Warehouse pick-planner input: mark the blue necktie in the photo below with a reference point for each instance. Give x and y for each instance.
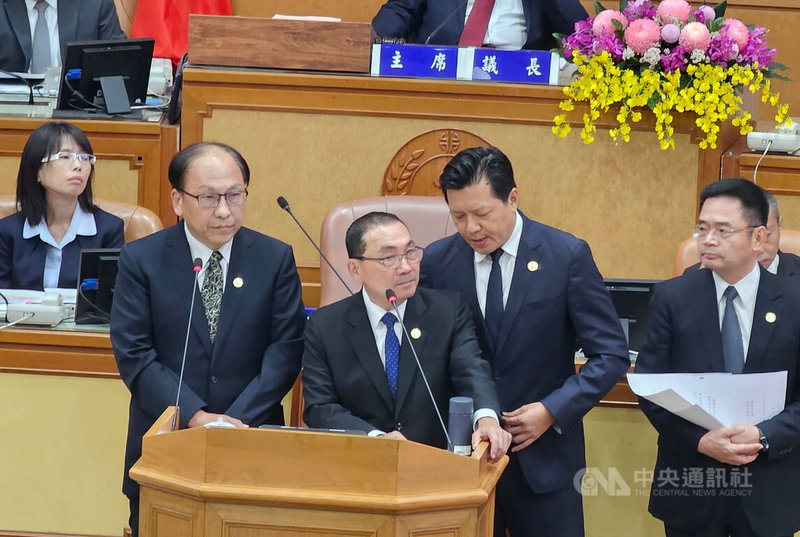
(40, 57)
(732, 349)
(494, 298)
(392, 352)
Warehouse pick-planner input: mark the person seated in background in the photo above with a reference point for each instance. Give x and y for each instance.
(358, 373)
(505, 24)
(40, 245)
(34, 33)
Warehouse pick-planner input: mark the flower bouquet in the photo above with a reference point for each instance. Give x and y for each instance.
(672, 59)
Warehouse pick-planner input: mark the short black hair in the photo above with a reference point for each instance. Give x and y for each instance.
(773, 204)
(181, 162)
(354, 238)
(43, 142)
(476, 164)
(755, 208)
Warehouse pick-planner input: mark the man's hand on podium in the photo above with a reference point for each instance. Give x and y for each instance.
(202, 417)
(499, 440)
(394, 434)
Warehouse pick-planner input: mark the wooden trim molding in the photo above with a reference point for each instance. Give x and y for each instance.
(9, 533)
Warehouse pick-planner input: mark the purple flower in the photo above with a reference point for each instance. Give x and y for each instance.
(722, 48)
(639, 9)
(756, 49)
(674, 60)
(704, 14)
(582, 39)
(610, 42)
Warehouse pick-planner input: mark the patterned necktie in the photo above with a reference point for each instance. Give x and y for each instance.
(40, 59)
(732, 349)
(392, 351)
(212, 293)
(494, 298)
(477, 23)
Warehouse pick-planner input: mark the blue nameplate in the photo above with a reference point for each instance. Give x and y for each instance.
(416, 61)
(526, 66)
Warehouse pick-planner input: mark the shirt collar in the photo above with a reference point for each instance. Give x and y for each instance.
(511, 247)
(30, 3)
(747, 287)
(376, 312)
(198, 249)
(773, 267)
(82, 223)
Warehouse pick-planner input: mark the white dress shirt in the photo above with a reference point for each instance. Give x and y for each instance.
(744, 304)
(483, 266)
(198, 249)
(773, 267)
(51, 16)
(82, 223)
(507, 28)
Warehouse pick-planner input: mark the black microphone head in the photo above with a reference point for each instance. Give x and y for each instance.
(282, 203)
(391, 296)
(197, 264)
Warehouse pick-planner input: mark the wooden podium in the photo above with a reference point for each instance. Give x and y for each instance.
(272, 482)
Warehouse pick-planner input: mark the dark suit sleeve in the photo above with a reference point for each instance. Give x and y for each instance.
(599, 333)
(113, 233)
(323, 407)
(153, 385)
(399, 18)
(281, 362)
(655, 358)
(561, 15)
(6, 254)
(108, 22)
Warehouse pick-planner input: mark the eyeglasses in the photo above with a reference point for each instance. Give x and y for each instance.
(209, 201)
(65, 156)
(412, 255)
(701, 231)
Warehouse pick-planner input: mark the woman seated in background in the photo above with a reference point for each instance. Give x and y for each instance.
(40, 245)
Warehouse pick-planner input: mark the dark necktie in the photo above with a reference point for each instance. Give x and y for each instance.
(494, 298)
(392, 352)
(40, 57)
(212, 293)
(477, 23)
(732, 349)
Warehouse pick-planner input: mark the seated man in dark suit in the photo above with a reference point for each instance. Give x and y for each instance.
(245, 340)
(735, 317)
(358, 373)
(508, 24)
(34, 34)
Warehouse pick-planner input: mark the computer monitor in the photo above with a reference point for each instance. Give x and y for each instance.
(97, 277)
(631, 299)
(105, 77)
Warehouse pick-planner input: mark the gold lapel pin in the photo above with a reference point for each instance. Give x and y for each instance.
(416, 333)
(770, 317)
(533, 266)
(238, 282)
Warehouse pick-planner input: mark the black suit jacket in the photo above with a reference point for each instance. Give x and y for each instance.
(256, 355)
(22, 260)
(684, 337)
(557, 303)
(415, 20)
(78, 20)
(788, 265)
(344, 381)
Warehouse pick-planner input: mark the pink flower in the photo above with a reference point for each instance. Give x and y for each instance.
(670, 33)
(642, 34)
(680, 9)
(707, 12)
(738, 32)
(602, 22)
(695, 36)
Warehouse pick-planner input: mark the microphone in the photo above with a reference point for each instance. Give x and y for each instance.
(450, 16)
(27, 83)
(459, 425)
(283, 204)
(196, 266)
(392, 298)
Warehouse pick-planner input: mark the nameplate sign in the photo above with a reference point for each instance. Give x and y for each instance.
(525, 66)
(415, 61)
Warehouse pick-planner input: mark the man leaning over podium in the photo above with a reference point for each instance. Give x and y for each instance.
(358, 368)
(244, 346)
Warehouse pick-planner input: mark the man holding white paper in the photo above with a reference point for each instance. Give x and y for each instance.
(736, 317)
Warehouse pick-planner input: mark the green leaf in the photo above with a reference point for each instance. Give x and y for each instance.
(598, 7)
(719, 9)
(716, 25)
(623, 4)
(617, 25)
(654, 99)
(776, 65)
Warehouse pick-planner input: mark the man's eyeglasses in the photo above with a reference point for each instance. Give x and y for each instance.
(209, 201)
(701, 231)
(65, 156)
(412, 255)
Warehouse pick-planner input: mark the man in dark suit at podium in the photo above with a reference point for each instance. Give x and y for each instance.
(34, 34)
(536, 297)
(245, 340)
(359, 370)
(508, 24)
(733, 317)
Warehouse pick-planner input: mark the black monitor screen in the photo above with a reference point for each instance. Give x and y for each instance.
(105, 75)
(97, 276)
(632, 301)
